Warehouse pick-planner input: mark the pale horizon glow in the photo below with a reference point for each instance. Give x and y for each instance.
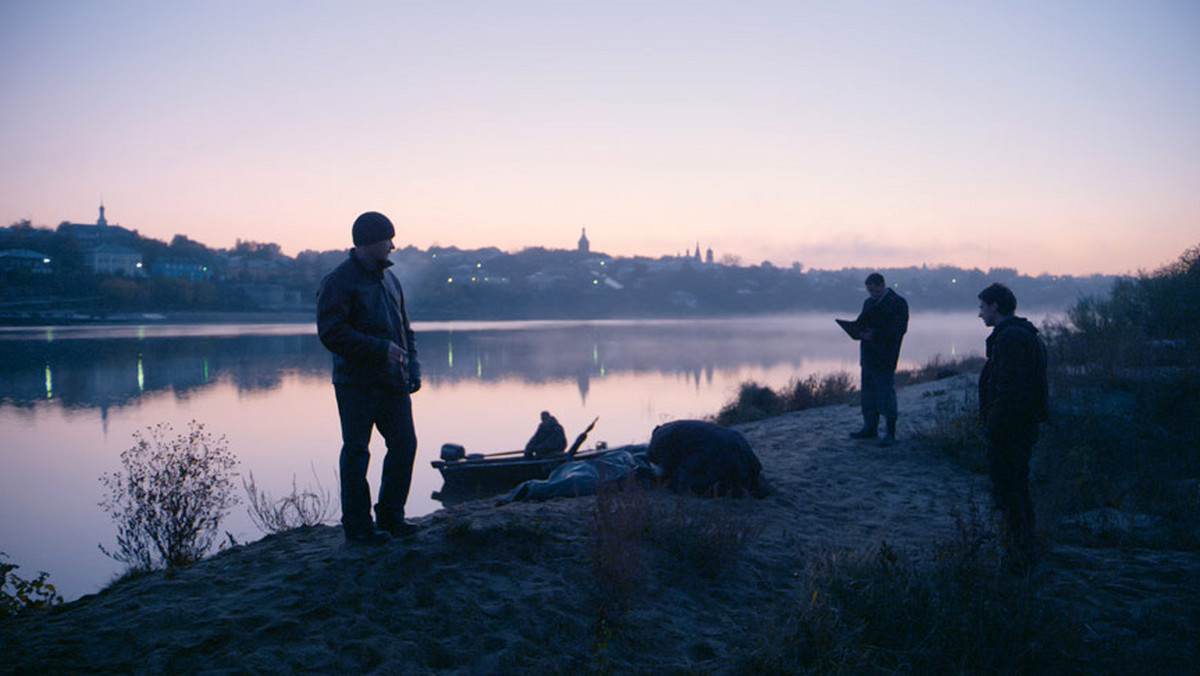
(1048, 137)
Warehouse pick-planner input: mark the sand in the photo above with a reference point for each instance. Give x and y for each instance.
(521, 588)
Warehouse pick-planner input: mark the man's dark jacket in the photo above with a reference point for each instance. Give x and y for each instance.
(549, 439)
(359, 312)
(1013, 392)
(887, 319)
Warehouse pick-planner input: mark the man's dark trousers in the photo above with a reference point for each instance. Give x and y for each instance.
(389, 409)
(1009, 451)
(878, 396)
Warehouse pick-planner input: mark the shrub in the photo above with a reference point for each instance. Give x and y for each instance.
(1145, 322)
(756, 402)
(950, 610)
(816, 391)
(18, 595)
(309, 507)
(169, 497)
(753, 402)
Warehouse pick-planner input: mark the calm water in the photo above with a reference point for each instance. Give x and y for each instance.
(70, 399)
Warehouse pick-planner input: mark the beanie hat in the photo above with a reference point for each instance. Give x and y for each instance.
(372, 227)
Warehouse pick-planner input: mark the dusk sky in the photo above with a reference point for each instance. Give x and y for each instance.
(1049, 136)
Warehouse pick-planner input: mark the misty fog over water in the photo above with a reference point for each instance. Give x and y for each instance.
(71, 397)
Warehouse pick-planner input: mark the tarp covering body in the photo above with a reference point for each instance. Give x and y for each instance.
(586, 477)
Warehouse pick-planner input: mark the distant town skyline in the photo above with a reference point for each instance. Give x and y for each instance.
(1046, 137)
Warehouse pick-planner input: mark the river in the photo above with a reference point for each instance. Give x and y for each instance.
(72, 397)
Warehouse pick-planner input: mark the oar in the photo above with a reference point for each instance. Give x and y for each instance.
(579, 439)
(498, 455)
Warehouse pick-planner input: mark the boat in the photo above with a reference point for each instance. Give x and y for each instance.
(466, 476)
(478, 475)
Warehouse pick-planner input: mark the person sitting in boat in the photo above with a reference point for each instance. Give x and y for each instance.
(549, 439)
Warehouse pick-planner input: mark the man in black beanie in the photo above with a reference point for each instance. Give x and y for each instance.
(362, 320)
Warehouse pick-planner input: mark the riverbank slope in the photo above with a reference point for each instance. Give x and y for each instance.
(637, 582)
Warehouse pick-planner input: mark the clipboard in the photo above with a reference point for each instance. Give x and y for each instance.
(851, 328)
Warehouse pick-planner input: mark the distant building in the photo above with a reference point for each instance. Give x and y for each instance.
(104, 249)
(184, 269)
(94, 234)
(24, 259)
(249, 269)
(584, 245)
(112, 259)
(708, 257)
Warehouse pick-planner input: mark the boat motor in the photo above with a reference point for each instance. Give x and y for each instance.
(453, 452)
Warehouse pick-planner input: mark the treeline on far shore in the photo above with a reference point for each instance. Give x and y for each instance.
(452, 283)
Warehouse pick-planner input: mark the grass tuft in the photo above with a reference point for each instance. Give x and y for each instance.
(637, 539)
(947, 610)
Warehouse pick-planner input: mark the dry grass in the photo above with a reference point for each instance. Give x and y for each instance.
(639, 536)
(950, 610)
(310, 507)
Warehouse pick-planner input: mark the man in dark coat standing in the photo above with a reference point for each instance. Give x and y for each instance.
(1013, 399)
(362, 320)
(882, 323)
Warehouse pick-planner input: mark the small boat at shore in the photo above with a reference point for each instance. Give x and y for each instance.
(466, 476)
(478, 475)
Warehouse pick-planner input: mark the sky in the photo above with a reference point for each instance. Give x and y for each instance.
(1049, 136)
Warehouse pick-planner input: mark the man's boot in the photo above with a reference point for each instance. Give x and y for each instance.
(889, 438)
(868, 431)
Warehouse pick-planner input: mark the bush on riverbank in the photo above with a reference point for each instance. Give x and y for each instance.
(757, 402)
(169, 496)
(18, 595)
(880, 611)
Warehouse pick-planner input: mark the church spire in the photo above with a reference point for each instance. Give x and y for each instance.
(101, 222)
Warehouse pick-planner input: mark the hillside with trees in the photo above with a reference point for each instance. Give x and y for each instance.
(48, 274)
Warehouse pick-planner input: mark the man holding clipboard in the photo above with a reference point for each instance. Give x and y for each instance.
(879, 328)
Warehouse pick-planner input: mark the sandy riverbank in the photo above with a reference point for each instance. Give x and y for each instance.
(515, 589)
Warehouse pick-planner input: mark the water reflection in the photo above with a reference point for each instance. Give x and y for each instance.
(105, 372)
(90, 368)
(71, 398)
